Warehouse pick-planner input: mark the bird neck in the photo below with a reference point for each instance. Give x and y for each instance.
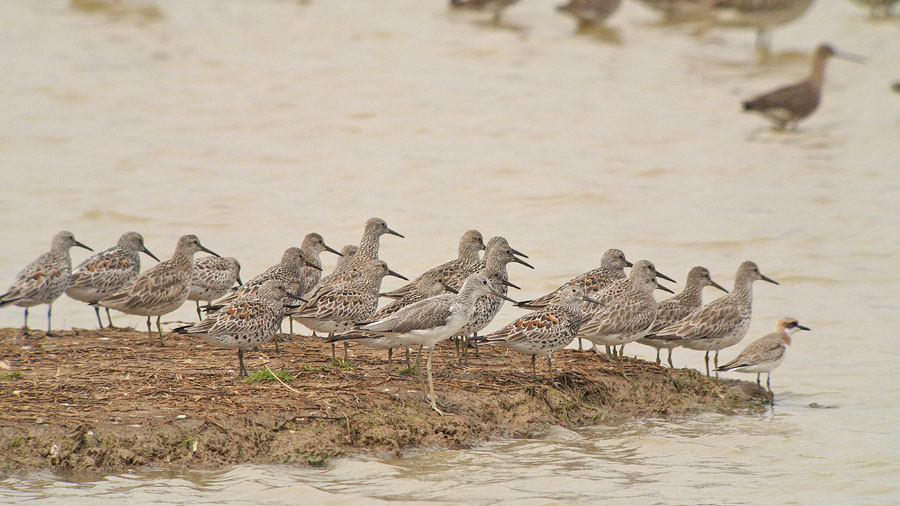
(468, 253)
(692, 295)
(368, 247)
(817, 75)
(743, 289)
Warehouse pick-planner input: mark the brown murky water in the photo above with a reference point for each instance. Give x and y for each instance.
(252, 123)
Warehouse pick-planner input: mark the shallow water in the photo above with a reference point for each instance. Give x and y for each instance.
(253, 123)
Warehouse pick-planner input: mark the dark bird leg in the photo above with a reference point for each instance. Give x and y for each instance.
(671, 366)
(768, 386)
(25, 328)
(408, 364)
(608, 353)
(757, 380)
(99, 321)
(580, 347)
(716, 363)
(291, 326)
(658, 361)
(149, 331)
(243, 371)
(199, 314)
(390, 356)
(706, 359)
(109, 319)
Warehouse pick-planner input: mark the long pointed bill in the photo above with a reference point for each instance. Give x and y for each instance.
(660, 287)
(713, 283)
(211, 252)
(314, 266)
(504, 297)
(389, 231)
(518, 253)
(520, 261)
(450, 288)
(296, 297)
(151, 255)
(80, 245)
(401, 276)
(332, 250)
(628, 264)
(667, 278)
(507, 283)
(592, 301)
(238, 279)
(770, 280)
(801, 327)
(850, 57)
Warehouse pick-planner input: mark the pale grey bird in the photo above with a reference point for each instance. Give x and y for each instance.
(425, 286)
(766, 353)
(45, 279)
(432, 320)
(160, 289)
(106, 272)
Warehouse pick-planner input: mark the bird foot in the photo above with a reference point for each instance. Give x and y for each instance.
(436, 410)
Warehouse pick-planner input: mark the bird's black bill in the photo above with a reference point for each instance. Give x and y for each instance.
(592, 301)
(770, 280)
(80, 245)
(332, 250)
(389, 231)
(504, 297)
(314, 266)
(628, 264)
(519, 254)
(239, 282)
(713, 283)
(520, 261)
(855, 58)
(450, 288)
(801, 327)
(211, 252)
(667, 278)
(296, 297)
(659, 286)
(396, 275)
(151, 255)
(507, 283)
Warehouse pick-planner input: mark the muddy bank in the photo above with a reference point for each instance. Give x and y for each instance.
(105, 401)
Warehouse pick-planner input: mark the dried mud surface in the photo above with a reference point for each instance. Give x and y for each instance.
(105, 401)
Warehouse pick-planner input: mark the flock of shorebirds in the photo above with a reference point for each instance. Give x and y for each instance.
(784, 106)
(455, 300)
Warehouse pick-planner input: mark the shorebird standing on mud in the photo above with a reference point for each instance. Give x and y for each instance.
(766, 353)
(45, 279)
(104, 273)
(160, 289)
